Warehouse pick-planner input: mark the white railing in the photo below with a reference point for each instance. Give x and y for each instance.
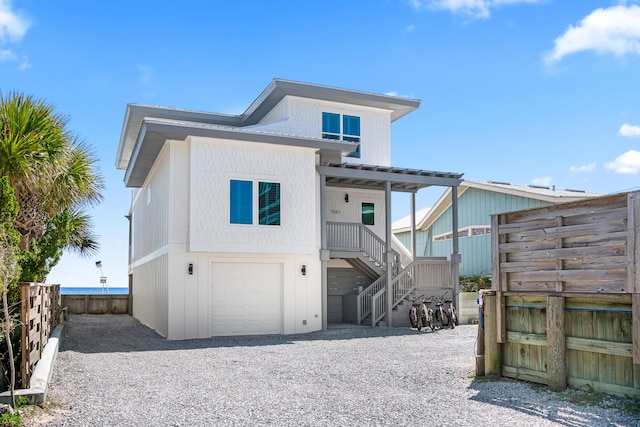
(423, 274)
(355, 237)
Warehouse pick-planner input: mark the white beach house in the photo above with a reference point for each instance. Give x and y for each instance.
(274, 221)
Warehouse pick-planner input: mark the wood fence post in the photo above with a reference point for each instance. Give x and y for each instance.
(24, 345)
(556, 344)
(492, 356)
(480, 372)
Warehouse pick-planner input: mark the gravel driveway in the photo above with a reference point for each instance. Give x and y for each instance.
(113, 371)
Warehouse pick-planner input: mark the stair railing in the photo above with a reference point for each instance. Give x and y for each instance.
(432, 273)
(355, 237)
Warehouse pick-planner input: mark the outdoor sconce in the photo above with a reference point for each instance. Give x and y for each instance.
(303, 270)
(190, 268)
(346, 198)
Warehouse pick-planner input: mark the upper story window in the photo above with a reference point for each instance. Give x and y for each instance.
(349, 131)
(242, 199)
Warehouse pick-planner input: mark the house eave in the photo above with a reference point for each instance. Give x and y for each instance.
(154, 132)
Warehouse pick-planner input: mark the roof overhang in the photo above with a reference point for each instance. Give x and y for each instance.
(278, 89)
(376, 177)
(154, 132)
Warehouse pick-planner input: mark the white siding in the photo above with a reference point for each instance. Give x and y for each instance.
(303, 117)
(340, 211)
(215, 162)
(150, 259)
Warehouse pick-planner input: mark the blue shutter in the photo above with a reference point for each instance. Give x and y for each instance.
(241, 203)
(351, 128)
(351, 125)
(331, 125)
(269, 203)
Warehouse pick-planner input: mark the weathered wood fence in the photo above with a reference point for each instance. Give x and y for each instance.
(96, 304)
(40, 314)
(565, 304)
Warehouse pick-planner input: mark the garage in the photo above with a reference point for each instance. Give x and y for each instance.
(246, 298)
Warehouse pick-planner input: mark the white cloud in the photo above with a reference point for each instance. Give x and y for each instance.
(7, 55)
(12, 26)
(583, 168)
(628, 130)
(544, 181)
(614, 30)
(628, 162)
(410, 28)
(480, 9)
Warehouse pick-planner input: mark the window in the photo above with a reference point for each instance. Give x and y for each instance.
(350, 129)
(269, 203)
(242, 201)
(330, 126)
(368, 214)
(469, 231)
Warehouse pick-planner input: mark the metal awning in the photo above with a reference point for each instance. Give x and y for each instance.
(375, 177)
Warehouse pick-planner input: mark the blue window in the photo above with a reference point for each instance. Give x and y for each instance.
(330, 126)
(241, 203)
(269, 203)
(350, 129)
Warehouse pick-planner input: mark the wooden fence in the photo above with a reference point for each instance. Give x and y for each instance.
(40, 314)
(96, 304)
(565, 304)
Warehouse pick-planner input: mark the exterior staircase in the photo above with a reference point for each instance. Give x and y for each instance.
(365, 252)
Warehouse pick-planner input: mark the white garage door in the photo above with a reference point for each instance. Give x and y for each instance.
(246, 298)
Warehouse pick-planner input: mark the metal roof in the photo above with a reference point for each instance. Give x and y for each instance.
(375, 177)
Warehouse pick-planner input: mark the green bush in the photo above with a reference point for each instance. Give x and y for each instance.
(475, 283)
(10, 420)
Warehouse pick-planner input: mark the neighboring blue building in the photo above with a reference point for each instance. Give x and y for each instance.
(477, 201)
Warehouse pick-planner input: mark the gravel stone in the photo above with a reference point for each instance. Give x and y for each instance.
(113, 371)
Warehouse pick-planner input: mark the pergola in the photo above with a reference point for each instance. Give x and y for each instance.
(387, 179)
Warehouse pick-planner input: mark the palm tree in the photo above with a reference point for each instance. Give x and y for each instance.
(49, 167)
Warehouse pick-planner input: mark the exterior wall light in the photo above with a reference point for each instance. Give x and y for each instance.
(346, 198)
(190, 269)
(303, 270)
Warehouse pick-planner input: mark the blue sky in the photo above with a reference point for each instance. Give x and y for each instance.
(529, 92)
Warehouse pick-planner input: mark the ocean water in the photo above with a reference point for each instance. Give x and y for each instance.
(93, 290)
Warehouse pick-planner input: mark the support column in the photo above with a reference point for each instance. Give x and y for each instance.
(413, 226)
(324, 253)
(389, 256)
(455, 255)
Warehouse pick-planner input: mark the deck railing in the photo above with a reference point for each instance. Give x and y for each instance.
(355, 237)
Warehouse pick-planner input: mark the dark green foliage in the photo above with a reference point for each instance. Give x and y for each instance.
(475, 283)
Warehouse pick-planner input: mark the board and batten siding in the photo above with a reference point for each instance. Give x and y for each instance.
(150, 258)
(475, 207)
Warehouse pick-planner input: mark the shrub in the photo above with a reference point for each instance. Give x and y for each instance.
(475, 283)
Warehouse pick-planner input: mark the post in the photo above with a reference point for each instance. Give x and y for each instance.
(324, 253)
(480, 347)
(413, 226)
(492, 356)
(556, 344)
(389, 253)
